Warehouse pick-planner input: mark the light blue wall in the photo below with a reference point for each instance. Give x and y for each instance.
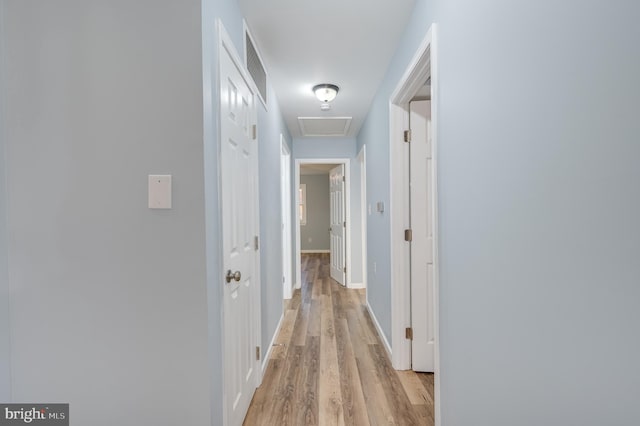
(108, 297)
(318, 217)
(270, 126)
(324, 148)
(538, 204)
(5, 338)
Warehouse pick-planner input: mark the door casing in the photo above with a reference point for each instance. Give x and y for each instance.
(421, 213)
(361, 158)
(423, 65)
(347, 174)
(225, 44)
(285, 183)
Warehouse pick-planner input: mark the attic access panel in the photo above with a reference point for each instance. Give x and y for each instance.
(324, 126)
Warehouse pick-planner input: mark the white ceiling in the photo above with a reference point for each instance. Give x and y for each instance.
(343, 42)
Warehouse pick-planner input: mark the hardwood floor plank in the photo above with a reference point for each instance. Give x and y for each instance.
(428, 382)
(262, 398)
(313, 329)
(378, 409)
(358, 341)
(282, 411)
(339, 311)
(324, 270)
(326, 286)
(299, 335)
(353, 403)
(284, 336)
(414, 388)
(296, 299)
(368, 331)
(400, 405)
(330, 395)
(425, 415)
(307, 384)
(317, 289)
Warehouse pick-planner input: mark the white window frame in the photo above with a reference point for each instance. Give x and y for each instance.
(302, 197)
(247, 34)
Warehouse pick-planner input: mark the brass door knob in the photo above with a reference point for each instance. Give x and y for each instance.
(233, 276)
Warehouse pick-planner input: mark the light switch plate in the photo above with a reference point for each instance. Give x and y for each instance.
(159, 191)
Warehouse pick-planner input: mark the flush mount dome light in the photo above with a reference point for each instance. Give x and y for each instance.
(326, 92)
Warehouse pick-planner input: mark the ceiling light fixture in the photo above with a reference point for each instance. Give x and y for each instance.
(326, 92)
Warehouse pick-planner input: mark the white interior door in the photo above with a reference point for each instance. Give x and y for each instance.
(240, 227)
(285, 181)
(422, 214)
(338, 224)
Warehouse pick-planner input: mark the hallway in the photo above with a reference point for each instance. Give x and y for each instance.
(329, 366)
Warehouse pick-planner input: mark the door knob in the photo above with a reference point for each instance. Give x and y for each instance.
(233, 276)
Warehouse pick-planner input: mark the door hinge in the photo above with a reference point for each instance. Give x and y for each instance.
(408, 333)
(408, 235)
(344, 224)
(257, 353)
(407, 135)
(255, 131)
(256, 242)
(344, 179)
(344, 269)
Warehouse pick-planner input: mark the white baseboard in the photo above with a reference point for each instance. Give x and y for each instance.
(357, 285)
(267, 354)
(379, 329)
(314, 251)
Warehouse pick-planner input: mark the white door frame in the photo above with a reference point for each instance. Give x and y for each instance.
(347, 174)
(423, 65)
(362, 160)
(285, 184)
(225, 43)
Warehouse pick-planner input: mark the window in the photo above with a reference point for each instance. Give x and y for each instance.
(302, 203)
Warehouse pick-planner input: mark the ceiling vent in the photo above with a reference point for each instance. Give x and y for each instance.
(324, 126)
(255, 66)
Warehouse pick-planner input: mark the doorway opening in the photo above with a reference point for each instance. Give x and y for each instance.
(323, 219)
(414, 259)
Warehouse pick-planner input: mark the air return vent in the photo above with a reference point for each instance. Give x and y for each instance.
(255, 66)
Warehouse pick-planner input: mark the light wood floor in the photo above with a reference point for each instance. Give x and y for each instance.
(329, 367)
